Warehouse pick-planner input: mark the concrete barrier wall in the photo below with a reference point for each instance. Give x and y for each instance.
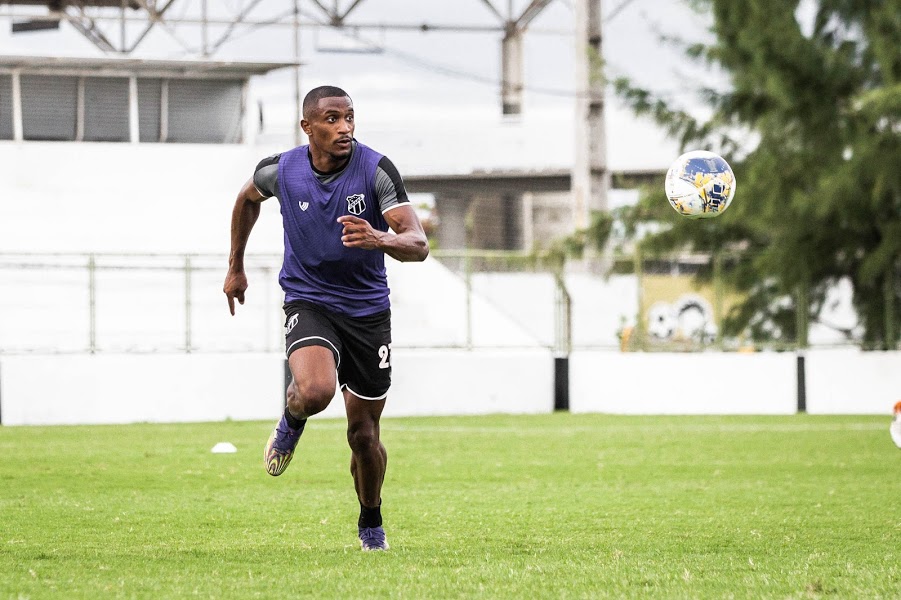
(697, 383)
(852, 382)
(127, 388)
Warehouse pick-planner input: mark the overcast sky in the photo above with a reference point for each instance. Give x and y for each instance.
(431, 100)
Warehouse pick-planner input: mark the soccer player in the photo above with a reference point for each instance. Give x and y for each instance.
(338, 200)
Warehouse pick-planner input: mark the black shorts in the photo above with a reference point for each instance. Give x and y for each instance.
(361, 345)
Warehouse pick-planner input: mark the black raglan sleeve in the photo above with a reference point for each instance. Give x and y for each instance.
(265, 177)
(389, 186)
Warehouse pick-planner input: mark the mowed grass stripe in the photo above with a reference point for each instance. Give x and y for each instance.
(545, 506)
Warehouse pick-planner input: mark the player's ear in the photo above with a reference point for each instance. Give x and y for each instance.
(305, 125)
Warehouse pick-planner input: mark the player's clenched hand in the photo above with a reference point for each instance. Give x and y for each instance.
(235, 286)
(358, 233)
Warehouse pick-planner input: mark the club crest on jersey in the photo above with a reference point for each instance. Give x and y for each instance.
(304, 205)
(356, 204)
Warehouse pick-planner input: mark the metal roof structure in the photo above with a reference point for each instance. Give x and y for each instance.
(98, 19)
(114, 65)
(60, 3)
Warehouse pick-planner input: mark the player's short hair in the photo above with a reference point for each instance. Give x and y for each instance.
(311, 100)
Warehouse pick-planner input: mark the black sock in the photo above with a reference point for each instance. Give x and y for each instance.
(370, 517)
(294, 422)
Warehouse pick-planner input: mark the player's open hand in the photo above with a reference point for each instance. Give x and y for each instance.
(234, 288)
(358, 233)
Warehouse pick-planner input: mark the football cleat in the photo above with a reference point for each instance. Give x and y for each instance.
(373, 538)
(280, 447)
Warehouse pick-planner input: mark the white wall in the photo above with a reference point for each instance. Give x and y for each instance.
(852, 382)
(458, 382)
(690, 383)
(600, 306)
(124, 388)
(429, 309)
(128, 388)
(107, 197)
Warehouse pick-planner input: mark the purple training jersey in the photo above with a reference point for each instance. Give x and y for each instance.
(317, 267)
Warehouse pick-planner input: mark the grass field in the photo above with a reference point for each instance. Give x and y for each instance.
(553, 506)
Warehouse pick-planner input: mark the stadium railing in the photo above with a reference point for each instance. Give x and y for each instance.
(133, 303)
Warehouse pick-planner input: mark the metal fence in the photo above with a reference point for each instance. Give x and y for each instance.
(142, 303)
(89, 303)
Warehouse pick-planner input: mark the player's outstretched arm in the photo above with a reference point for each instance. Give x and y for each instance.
(244, 216)
(409, 245)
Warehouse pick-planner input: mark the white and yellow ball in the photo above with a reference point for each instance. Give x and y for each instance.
(700, 184)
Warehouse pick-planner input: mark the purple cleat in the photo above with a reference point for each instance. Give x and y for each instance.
(280, 447)
(373, 538)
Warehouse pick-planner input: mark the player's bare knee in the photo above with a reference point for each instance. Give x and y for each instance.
(362, 438)
(313, 396)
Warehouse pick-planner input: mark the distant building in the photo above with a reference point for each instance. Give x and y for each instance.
(125, 99)
(507, 210)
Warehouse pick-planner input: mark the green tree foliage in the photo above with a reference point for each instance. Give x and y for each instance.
(818, 161)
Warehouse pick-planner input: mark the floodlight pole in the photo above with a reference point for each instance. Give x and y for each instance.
(298, 112)
(512, 52)
(511, 69)
(204, 38)
(590, 177)
(122, 28)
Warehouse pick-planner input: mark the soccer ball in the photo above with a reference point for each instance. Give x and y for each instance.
(700, 184)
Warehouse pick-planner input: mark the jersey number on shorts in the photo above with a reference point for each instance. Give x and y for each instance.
(385, 355)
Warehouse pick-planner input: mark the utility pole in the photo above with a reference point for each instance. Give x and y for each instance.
(511, 69)
(590, 177)
(514, 27)
(298, 109)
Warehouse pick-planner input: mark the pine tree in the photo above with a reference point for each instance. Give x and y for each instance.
(818, 166)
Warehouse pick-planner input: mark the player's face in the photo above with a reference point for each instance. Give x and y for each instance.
(331, 126)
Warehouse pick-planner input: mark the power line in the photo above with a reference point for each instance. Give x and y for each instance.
(449, 71)
(441, 69)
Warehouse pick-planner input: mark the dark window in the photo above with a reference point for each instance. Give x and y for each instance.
(106, 109)
(206, 111)
(149, 91)
(169, 110)
(6, 107)
(49, 106)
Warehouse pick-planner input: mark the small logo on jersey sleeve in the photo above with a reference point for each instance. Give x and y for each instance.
(303, 205)
(356, 204)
